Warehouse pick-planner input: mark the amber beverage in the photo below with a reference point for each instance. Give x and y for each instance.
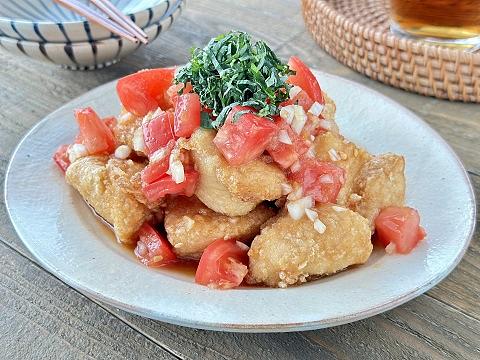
(447, 19)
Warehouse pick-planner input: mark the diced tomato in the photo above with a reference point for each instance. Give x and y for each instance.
(302, 99)
(173, 91)
(94, 133)
(286, 154)
(110, 121)
(400, 226)
(166, 186)
(61, 157)
(223, 264)
(155, 170)
(305, 79)
(320, 179)
(145, 90)
(187, 115)
(158, 131)
(244, 139)
(152, 248)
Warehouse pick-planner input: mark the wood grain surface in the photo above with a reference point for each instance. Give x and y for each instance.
(43, 318)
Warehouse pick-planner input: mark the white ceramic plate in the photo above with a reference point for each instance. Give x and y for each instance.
(61, 232)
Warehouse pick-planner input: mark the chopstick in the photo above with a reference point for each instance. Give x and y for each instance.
(120, 18)
(81, 9)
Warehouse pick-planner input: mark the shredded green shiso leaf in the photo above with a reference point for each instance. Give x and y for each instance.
(233, 70)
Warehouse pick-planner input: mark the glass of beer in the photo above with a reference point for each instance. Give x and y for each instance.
(448, 22)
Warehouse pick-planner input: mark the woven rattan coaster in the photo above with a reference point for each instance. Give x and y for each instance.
(356, 32)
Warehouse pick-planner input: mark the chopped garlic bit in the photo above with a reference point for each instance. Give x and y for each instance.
(333, 155)
(76, 151)
(312, 138)
(316, 109)
(326, 179)
(299, 119)
(138, 140)
(284, 138)
(390, 248)
(311, 214)
(175, 168)
(319, 226)
(294, 91)
(158, 155)
(311, 152)
(287, 113)
(295, 166)
(338, 208)
(296, 208)
(286, 188)
(123, 152)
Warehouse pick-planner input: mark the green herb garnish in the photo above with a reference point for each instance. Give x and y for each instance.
(232, 70)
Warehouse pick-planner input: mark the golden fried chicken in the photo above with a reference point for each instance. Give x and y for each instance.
(291, 251)
(191, 226)
(125, 127)
(231, 190)
(329, 110)
(96, 179)
(380, 183)
(343, 153)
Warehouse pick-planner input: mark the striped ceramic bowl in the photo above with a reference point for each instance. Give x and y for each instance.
(88, 55)
(46, 21)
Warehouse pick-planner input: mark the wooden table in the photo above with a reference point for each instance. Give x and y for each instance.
(43, 318)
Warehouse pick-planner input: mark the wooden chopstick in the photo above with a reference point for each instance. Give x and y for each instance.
(81, 9)
(121, 19)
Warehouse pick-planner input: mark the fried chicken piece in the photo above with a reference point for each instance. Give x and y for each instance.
(231, 190)
(330, 146)
(125, 127)
(95, 180)
(291, 251)
(329, 108)
(191, 226)
(380, 183)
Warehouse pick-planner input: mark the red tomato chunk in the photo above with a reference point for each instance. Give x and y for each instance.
(319, 179)
(61, 158)
(286, 154)
(245, 138)
(167, 186)
(145, 90)
(400, 226)
(156, 169)
(158, 131)
(187, 115)
(94, 133)
(152, 248)
(223, 264)
(305, 79)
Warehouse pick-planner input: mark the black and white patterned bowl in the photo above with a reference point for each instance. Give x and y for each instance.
(46, 21)
(88, 55)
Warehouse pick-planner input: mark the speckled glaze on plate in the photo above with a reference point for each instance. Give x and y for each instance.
(65, 237)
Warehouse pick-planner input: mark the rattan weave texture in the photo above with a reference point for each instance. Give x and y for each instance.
(356, 32)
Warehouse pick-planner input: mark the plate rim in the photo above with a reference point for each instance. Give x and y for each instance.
(272, 327)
